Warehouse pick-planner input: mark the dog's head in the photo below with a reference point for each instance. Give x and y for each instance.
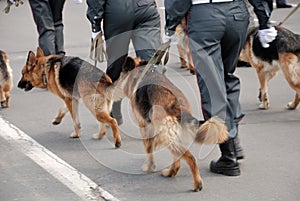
(32, 71)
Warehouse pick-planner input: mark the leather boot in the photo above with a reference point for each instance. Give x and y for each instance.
(227, 164)
(238, 149)
(116, 112)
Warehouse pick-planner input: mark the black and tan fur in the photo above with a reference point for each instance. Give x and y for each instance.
(283, 53)
(72, 78)
(165, 119)
(6, 80)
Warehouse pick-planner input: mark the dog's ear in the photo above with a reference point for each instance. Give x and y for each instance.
(30, 60)
(142, 63)
(39, 52)
(129, 64)
(53, 60)
(139, 62)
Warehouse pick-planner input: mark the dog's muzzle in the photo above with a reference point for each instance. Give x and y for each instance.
(26, 85)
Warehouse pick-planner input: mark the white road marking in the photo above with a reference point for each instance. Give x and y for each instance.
(81, 185)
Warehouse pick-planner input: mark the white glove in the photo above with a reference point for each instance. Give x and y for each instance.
(77, 1)
(94, 34)
(16, 2)
(166, 38)
(266, 36)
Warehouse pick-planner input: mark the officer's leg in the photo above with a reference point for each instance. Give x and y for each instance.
(146, 34)
(232, 43)
(207, 57)
(43, 19)
(57, 9)
(117, 51)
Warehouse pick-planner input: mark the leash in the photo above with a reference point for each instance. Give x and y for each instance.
(289, 15)
(155, 59)
(97, 50)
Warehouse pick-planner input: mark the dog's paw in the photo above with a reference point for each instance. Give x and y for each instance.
(168, 172)
(198, 186)
(118, 144)
(98, 136)
(56, 121)
(146, 167)
(264, 106)
(291, 106)
(74, 135)
(4, 104)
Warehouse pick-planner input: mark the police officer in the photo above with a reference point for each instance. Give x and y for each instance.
(137, 21)
(47, 15)
(217, 32)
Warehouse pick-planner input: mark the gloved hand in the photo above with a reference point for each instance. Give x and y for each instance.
(10, 3)
(77, 1)
(168, 37)
(97, 51)
(266, 36)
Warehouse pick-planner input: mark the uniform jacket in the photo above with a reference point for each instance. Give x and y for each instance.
(177, 9)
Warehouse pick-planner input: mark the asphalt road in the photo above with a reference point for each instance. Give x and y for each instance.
(270, 138)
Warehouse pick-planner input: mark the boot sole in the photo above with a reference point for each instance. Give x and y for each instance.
(235, 171)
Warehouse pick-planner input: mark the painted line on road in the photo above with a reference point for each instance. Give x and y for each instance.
(80, 184)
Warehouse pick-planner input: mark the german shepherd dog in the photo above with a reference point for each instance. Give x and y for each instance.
(72, 78)
(6, 83)
(165, 119)
(283, 53)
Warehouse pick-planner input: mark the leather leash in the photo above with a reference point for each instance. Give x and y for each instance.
(289, 15)
(155, 59)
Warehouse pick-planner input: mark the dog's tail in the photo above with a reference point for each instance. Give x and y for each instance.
(212, 131)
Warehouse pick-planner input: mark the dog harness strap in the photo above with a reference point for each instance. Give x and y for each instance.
(155, 59)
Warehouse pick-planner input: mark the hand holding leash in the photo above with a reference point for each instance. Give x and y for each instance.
(97, 51)
(266, 36)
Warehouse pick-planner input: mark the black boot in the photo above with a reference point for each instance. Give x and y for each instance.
(116, 112)
(227, 163)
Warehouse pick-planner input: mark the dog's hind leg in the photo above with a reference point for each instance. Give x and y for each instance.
(191, 63)
(178, 153)
(293, 105)
(63, 110)
(173, 169)
(2, 98)
(72, 105)
(7, 97)
(264, 78)
(149, 164)
(105, 118)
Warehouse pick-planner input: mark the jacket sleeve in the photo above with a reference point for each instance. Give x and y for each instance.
(175, 10)
(263, 10)
(94, 13)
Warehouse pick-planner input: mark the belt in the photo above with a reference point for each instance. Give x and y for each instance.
(209, 1)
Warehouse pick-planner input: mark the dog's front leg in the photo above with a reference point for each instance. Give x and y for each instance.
(72, 105)
(63, 110)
